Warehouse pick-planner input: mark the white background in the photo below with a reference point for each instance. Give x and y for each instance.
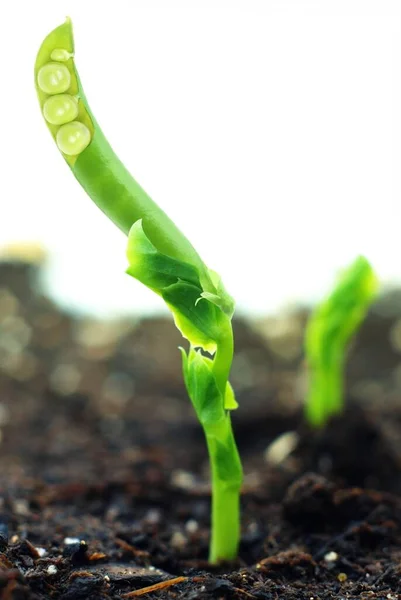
(268, 130)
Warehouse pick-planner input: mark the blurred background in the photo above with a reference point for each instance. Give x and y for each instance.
(268, 130)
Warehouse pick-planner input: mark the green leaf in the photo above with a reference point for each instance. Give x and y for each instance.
(199, 322)
(195, 365)
(178, 284)
(202, 388)
(338, 317)
(221, 298)
(153, 269)
(230, 402)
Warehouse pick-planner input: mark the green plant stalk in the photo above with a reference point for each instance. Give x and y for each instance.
(226, 485)
(162, 258)
(225, 463)
(335, 382)
(325, 395)
(223, 357)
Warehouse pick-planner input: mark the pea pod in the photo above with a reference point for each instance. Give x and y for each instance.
(92, 159)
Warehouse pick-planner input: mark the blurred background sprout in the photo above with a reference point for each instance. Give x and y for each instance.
(328, 334)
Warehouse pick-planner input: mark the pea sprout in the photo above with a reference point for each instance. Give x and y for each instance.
(328, 333)
(160, 257)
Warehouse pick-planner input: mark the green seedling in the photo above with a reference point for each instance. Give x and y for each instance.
(162, 258)
(328, 333)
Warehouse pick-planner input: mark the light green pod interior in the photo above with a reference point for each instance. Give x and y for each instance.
(59, 94)
(100, 171)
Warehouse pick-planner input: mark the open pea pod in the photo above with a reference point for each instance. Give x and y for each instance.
(92, 159)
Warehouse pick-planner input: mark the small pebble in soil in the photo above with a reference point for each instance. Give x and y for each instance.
(182, 479)
(76, 552)
(21, 507)
(51, 570)
(41, 551)
(153, 516)
(71, 540)
(178, 540)
(280, 448)
(191, 526)
(331, 557)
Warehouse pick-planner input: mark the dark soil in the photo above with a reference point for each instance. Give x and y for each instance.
(104, 476)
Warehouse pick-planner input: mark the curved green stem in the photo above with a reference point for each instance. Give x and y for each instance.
(225, 464)
(325, 397)
(226, 471)
(325, 394)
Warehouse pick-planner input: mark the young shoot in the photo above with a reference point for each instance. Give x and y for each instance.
(162, 258)
(328, 333)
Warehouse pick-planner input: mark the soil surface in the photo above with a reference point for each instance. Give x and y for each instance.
(104, 487)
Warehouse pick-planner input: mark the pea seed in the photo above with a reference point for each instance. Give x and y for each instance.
(60, 55)
(60, 109)
(73, 138)
(54, 78)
